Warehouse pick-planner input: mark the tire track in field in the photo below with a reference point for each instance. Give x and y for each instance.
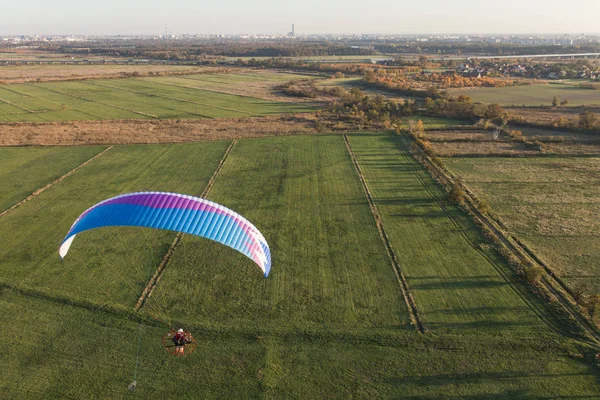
(98, 102)
(499, 270)
(404, 288)
(550, 284)
(54, 182)
(154, 280)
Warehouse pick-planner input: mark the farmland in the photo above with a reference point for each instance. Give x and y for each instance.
(550, 203)
(330, 321)
(532, 95)
(305, 195)
(147, 98)
(50, 215)
(24, 170)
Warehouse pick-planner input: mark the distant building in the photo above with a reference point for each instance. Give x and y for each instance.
(292, 33)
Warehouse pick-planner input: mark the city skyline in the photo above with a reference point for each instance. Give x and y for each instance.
(68, 17)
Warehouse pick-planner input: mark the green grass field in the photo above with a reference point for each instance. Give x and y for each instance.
(194, 96)
(123, 272)
(532, 95)
(329, 322)
(24, 170)
(550, 203)
(303, 195)
(457, 283)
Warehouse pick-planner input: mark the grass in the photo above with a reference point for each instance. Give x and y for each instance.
(457, 284)
(329, 265)
(24, 170)
(329, 322)
(32, 233)
(161, 98)
(50, 350)
(532, 95)
(550, 203)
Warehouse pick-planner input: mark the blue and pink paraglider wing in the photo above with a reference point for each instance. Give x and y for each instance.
(176, 212)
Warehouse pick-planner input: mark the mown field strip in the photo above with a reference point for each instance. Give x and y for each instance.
(455, 287)
(97, 101)
(408, 298)
(330, 268)
(147, 292)
(109, 266)
(54, 182)
(173, 98)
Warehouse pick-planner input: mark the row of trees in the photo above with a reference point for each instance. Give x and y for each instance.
(586, 121)
(309, 89)
(462, 107)
(371, 109)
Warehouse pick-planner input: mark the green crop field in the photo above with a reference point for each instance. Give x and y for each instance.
(303, 194)
(329, 322)
(552, 204)
(532, 95)
(164, 97)
(49, 216)
(24, 170)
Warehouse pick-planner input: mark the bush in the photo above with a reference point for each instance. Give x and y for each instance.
(533, 273)
(484, 207)
(457, 194)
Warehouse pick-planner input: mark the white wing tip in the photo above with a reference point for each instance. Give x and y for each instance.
(64, 248)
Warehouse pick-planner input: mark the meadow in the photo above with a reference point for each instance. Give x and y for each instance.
(146, 98)
(330, 321)
(458, 283)
(550, 203)
(532, 95)
(25, 170)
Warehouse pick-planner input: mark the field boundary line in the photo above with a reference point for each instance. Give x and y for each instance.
(100, 102)
(554, 287)
(404, 288)
(10, 103)
(155, 279)
(54, 182)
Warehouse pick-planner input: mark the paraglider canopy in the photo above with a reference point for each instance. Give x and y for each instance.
(176, 212)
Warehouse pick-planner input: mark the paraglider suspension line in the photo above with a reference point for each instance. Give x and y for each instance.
(137, 358)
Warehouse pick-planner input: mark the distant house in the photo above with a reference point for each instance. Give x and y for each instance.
(463, 68)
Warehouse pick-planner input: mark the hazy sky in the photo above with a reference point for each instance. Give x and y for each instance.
(310, 16)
